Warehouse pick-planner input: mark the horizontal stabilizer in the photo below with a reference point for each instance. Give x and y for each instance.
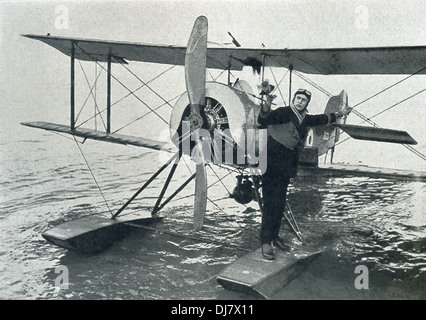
(100, 135)
(377, 134)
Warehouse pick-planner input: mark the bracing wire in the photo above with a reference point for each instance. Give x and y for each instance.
(147, 113)
(146, 84)
(93, 176)
(129, 94)
(123, 85)
(90, 94)
(416, 152)
(391, 86)
(366, 119)
(394, 105)
(278, 83)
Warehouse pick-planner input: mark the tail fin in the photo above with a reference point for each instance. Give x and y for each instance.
(325, 137)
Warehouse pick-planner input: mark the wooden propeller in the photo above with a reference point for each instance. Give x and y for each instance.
(195, 78)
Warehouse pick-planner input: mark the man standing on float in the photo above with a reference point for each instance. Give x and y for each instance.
(287, 131)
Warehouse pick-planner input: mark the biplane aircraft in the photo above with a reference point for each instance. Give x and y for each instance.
(217, 122)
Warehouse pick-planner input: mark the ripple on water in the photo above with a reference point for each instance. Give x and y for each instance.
(377, 222)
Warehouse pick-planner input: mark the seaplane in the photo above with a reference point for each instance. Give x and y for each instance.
(215, 122)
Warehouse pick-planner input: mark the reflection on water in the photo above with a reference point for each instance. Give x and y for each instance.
(379, 223)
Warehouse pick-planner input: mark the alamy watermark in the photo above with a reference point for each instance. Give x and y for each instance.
(62, 280)
(362, 17)
(62, 18)
(361, 281)
(218, 147)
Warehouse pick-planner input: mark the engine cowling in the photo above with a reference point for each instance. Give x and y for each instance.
(229, 112)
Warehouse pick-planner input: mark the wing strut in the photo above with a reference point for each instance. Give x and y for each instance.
(72, 93)
(108, 130)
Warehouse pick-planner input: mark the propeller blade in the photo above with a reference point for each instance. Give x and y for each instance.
(200, 198)
(195, 70)
(195, 79)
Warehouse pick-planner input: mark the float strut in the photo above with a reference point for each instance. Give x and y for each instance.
(145, 185)
(174, 194)
(163, 191)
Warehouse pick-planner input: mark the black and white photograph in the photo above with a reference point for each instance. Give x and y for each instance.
(227, 151)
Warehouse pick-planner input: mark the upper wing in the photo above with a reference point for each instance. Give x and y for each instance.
(378, 60)
(98, 50)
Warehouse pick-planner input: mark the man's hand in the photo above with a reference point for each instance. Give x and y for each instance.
(268, 102)
(270, 98)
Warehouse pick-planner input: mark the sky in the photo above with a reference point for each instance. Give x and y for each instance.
(33, 74)
(278, 24)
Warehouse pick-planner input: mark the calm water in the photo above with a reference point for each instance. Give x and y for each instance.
(378, 223)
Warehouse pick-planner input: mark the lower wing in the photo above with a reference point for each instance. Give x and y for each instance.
(102, 136)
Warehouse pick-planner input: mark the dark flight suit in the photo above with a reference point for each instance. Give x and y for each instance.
(286, 136)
